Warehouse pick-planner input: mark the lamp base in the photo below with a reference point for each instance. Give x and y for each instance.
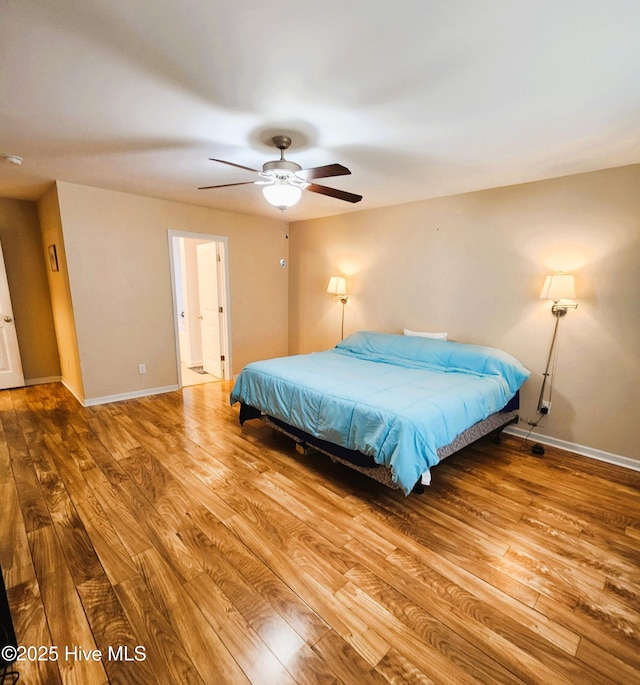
(537, 449)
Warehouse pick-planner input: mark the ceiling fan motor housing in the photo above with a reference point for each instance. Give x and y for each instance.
(281, 165)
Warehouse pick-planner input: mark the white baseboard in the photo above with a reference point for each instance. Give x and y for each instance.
(582, 450)
(41, 381)
(93, 401)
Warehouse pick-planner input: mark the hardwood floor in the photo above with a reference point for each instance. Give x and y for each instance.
(189, 550)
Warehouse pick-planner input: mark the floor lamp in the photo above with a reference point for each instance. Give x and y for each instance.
(338, 288)
(558, 288)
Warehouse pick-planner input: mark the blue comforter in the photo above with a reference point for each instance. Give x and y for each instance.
(395, 398)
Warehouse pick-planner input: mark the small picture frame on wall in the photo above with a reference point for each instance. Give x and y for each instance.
(53, 258)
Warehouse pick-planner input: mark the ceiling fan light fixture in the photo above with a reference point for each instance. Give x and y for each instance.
(281, 194)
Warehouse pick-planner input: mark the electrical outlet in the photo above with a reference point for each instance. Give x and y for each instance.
(142, 368)
(546, 407)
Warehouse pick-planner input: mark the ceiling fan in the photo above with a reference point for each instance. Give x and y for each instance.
(283, 181)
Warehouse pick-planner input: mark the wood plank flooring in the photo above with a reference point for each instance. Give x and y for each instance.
(189, 550)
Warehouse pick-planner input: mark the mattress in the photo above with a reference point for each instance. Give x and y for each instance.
(397, 399)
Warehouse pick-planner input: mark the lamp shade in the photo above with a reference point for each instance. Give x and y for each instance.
(281, 194)
(337, 286)
(559, 287)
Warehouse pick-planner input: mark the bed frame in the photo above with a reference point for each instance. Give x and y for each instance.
(306, 443)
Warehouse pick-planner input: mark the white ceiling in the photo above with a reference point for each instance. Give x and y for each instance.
(419, 98)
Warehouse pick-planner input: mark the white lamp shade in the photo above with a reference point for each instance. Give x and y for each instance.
(337, 286)
(559, 287)
(281, 194)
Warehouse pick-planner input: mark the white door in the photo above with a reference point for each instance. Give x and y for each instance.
(11, 375)
(209, 308)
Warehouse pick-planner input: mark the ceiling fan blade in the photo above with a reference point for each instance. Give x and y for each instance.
(325, 171)
(238, 166)
(227, 185)
(334, 192)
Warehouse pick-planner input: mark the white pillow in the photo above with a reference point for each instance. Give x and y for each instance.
(425, 334)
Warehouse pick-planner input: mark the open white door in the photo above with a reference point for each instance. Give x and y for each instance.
(210, 310)
(11, 375)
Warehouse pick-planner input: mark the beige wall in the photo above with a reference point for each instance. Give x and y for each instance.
(117, 251)
(51, 227)
(473, 265)
(26, 273)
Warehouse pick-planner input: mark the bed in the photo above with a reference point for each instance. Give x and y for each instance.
(390, 406)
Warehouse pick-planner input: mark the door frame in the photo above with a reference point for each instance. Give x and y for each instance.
(225, 298)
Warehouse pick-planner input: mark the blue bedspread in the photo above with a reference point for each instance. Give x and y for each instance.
(395, 398)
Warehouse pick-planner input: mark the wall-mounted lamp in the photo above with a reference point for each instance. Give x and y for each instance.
(338, 288)
(558, 287)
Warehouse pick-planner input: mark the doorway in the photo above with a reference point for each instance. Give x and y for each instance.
(11, 375)
(199, 279)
